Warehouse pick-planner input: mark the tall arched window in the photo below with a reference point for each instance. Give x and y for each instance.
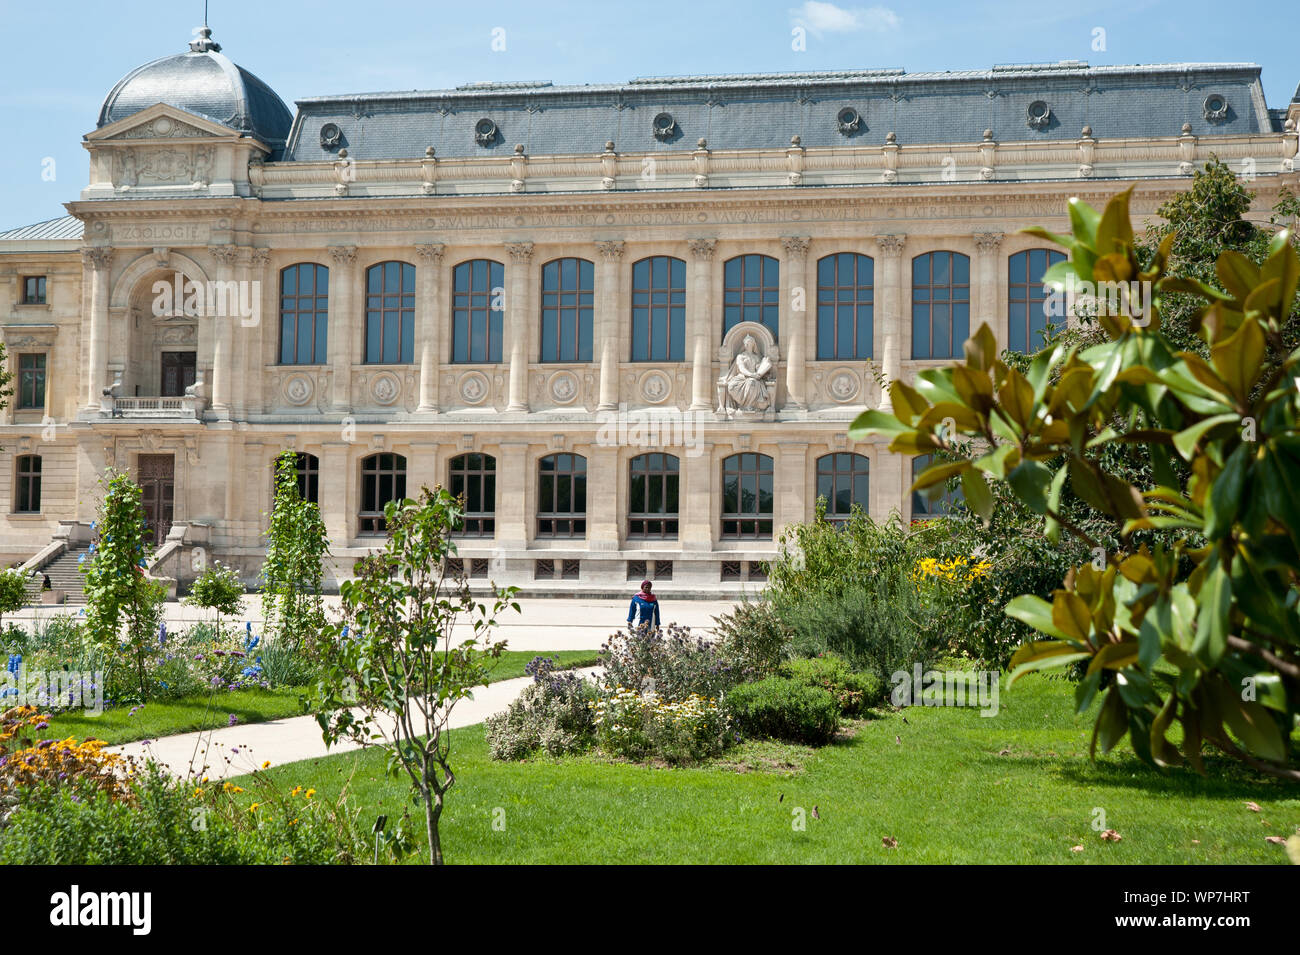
(843, 480)
(1027, 297)
(751, 291)
(940, 304)
(27, 484)
(845, 306)
(747, 496)
(659, 309)
(652, 496)
(308, 468)
(923, 507)
(567, 293)
(304, 314)
(383, 479)
(477, 306)
(562, 496)
(390, 313)
(473, 477)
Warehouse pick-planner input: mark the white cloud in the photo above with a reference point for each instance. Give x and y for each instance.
(821, 18)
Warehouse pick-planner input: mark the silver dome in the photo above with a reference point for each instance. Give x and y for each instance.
(205, 82)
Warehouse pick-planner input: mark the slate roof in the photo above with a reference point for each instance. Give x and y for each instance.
(206, 82)
(765, 110)
(64, 227)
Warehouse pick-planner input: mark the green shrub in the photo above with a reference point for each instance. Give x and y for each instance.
(552, 714)
(646, 726)
(668, 661)
(166, 823)
(853, 692)
(784, 709)
(753, 638)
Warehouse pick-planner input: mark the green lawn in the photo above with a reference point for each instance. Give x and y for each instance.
(945, 792)
(166, 718)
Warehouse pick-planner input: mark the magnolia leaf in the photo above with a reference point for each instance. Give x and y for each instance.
(1071, 615)
(1238, 274)
(1115, 230)
(978, 496)
(871, 423)
(1084, 220)
(1036, 613)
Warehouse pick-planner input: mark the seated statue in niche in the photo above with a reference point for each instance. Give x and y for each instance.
(748, 384)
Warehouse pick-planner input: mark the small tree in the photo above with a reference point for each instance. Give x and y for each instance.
(1202, 628)
(394, 658)
(124, 607)
(293, 572)
(218, 588)
(13, 593)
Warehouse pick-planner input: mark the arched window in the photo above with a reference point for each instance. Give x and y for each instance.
(473, 478)
(659, 309)
(477, 305)
(383, 479)
(567, 293)
(652, 496)
(845, 306)
(304, 314)
(390, 313)
(747, 496)
(842, 479)
(308, 469)
(562, 496)
(27, 484)
(751, 291)
(924, 508)
(940, 304)
(1027, 298)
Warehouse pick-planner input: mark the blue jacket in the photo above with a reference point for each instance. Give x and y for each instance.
(644, 609)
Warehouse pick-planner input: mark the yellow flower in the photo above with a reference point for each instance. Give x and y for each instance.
(267, 764)
(253, 807)
(295, 790)
(310, 793)
(198, 792)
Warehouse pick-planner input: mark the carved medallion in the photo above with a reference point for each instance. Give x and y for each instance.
(843, 385)
(564, 387)
(474, 387)
(298, 389)
(656, 387)
(385, 387)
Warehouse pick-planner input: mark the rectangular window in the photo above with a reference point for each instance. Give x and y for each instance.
(31, 382)
(34, 290)
(27, 497)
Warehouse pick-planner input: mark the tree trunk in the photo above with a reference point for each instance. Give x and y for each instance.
(432, 810)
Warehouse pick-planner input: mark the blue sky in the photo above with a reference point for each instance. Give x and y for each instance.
(58, 59)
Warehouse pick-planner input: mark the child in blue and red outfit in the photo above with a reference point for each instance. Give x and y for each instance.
(644, 609)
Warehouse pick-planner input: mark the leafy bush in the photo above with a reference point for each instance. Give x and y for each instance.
(645, 725)
(753, 638)
(785, 709)
(13, 591)
(552, 714)
(169, 822)
(668, 662)
(853, 692)
(218, 588)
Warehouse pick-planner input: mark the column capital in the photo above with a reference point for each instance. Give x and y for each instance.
(98, 257)
(796, 246)
(988, 242)
(891, 246)
(259, 256)
(521, 252)
(702, 249)
(430, 252)
(225, 254)
(611, 250)
(344, 254)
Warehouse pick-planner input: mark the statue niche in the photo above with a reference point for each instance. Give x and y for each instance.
(748, 385)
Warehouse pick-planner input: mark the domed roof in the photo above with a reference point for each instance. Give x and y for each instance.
(205, 82)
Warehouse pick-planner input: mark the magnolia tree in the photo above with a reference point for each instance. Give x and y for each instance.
(1200, 628)
(293, 572)
(123, 604)
(393, 668)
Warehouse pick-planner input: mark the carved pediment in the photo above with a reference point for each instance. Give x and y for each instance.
(161, 123)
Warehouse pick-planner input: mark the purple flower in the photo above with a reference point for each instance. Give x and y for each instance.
(233, 720)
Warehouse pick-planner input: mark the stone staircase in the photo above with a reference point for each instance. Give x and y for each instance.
(64, 576)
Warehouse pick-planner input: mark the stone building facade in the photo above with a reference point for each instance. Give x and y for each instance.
(630, 323)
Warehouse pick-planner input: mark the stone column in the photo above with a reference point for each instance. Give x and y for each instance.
(892, 323)
(800, 301)
(433, 317)
(984, 301)
(790, 486)
(699, 323)
(603, 511)
(513, 475)
(891, 476)
(100, 262)
(609, 320)
(218, 313)
(698, 514)
(342, 337)
(265, 296)
(337, 503)
(517, 319)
